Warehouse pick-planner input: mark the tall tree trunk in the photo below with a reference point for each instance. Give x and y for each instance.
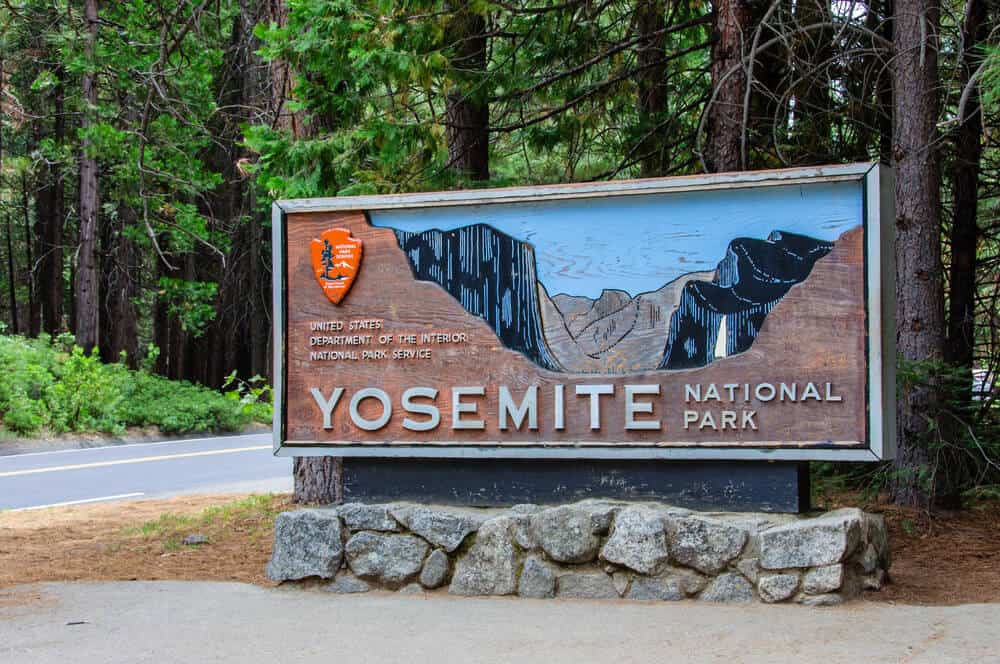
(50, 219)
(120, 263)
(15, 326)
(87, 303)
(168, 335)
(201, 359)
(72, 301)
(257, 317)
(260, 321)
(731, 23)
(34, 313)
(283, 81)
(177, 350)
(965, 190)
(467, 111)
(11, 275)
(651, 103)
(161, 325)
(920, 291)
(230, 339)
(181, 351)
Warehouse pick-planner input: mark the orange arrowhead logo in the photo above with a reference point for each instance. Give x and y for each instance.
(336, 258)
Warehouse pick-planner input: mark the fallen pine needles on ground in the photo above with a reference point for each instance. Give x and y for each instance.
(141, 539)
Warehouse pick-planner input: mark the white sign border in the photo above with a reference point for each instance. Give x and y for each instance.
(880, 262)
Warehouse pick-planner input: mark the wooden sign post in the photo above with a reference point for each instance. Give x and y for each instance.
(496, 345)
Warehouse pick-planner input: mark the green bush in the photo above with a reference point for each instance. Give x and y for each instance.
(55, 386)
(959, 453)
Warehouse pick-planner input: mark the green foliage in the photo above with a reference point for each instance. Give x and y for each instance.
(830, 481)
(51, 387)
(960, 449)
(254, 396)
(980, 494)
(372, 80)
(991, 78)
(192, 302)
(366, 77)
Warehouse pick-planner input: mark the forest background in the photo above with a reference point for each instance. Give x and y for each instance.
(142, 142)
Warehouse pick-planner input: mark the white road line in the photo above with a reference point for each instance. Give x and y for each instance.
(120, 462)
(128, 446)
(78, 502)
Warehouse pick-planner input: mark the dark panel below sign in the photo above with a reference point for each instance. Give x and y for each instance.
(735, 486)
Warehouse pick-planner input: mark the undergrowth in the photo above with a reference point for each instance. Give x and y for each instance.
(52, 386)
(960, 446)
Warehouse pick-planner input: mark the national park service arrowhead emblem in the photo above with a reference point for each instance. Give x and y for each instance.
(336, 258)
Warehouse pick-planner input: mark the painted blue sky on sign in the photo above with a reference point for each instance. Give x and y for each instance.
(639, 243)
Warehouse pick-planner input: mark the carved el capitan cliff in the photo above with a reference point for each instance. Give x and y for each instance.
(491, 275)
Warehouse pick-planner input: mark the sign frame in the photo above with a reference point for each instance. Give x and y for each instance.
(878, 215)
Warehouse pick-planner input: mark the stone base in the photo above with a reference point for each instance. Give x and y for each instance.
(590, 549)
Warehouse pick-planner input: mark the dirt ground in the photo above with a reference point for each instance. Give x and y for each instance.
(945, 559)
(141, 539)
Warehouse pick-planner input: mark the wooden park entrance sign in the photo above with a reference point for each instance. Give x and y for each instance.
(726, 317)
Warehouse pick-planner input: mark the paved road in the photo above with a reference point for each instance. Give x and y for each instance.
(107, 623)
(225, 464)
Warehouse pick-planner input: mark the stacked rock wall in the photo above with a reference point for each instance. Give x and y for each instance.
(591, 549)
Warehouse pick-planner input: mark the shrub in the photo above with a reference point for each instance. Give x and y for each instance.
(53, 385)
